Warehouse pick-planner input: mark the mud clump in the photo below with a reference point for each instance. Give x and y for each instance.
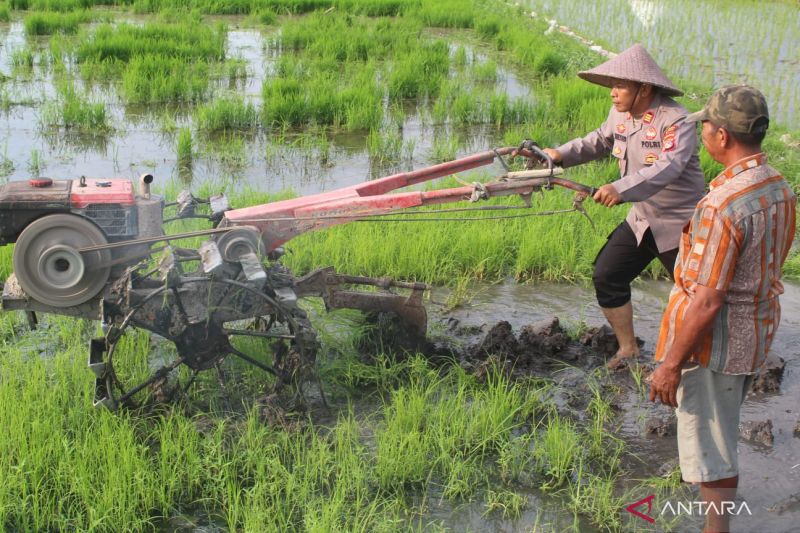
(537, 346)
(544, 337)
(664, 425)
(500, 341)
(770, 376)
(760, 432)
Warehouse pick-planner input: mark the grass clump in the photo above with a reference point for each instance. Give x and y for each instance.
(5, 12)
(48, 22)
(71, 110)
(185, 148)
(159, 79)
(225, 114)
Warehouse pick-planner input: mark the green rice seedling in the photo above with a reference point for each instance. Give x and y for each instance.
(226, 114)
(156, 78)
(444, 148)
(460, 57)
(123, 42)
(185, 147)
(462, 476)
(420, 74)
(266, 17)
(595, 497)
(446, 14)
(47, 23)
(557, 450)
(506, 503)
(35, 163)
(22, 59)
(489, 25)
(388, 146)
(235, 70)
(6, 165)
(485, 71)
(637, 374)
(5, 13)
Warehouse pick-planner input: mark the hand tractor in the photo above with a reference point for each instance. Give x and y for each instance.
(97, 249)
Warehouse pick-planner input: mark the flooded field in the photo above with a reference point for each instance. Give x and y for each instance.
(137, 138)
(709, 42)
(274, 98)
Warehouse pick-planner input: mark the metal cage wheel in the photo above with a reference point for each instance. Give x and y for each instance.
(204, 345)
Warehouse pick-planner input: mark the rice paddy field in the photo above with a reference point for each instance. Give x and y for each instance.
(269, 99)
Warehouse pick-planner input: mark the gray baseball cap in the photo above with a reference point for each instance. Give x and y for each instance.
(737, 108)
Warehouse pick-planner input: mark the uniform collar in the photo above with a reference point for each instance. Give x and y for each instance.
(751, 161)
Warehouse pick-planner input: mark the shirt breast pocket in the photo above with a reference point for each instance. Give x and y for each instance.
(619, 151)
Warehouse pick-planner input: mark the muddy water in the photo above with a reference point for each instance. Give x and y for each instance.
(713, 42)
(770, 476)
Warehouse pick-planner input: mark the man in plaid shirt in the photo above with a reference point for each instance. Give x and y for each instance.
(723, 310)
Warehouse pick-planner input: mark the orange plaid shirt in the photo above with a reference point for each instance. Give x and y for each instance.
(736, 242)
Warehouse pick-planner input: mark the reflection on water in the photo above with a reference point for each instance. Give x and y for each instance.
(143, 138)
(706, 41)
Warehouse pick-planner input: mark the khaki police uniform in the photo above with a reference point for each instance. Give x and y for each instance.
(660, 175)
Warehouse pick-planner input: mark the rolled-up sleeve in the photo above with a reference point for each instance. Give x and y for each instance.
(668, 167)
(589, 148)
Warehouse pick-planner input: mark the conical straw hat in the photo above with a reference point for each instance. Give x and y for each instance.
(634, 64)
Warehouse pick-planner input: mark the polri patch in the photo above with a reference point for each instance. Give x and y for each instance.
(650, 158)
(669, 138)
(651, 144)
(651, 133)
(621, 127)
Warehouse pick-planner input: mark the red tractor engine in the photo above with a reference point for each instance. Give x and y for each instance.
(51, 220)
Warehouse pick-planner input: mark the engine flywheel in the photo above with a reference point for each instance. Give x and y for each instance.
(49, 266)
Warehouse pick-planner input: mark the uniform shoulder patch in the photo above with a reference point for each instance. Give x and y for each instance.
(651, 133)
(648, 117)
(669, 138)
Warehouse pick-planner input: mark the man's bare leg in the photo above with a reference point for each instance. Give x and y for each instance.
(716, 492)
(621, 321)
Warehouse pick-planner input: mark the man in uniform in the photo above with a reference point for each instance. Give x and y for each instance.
(660, 175)
(723, 311)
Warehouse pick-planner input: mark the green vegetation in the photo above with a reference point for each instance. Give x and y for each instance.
(227, 113)
(48, 22)
(402, 83)
(434, 430)
(71, 110)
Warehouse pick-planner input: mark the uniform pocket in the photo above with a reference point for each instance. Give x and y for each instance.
(619, 151)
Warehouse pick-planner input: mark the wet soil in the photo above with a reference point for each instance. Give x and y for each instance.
(518, 326)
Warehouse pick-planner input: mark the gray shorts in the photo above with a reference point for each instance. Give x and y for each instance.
(708, 422)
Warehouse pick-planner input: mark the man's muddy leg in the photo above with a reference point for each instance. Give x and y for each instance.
(713, 493)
